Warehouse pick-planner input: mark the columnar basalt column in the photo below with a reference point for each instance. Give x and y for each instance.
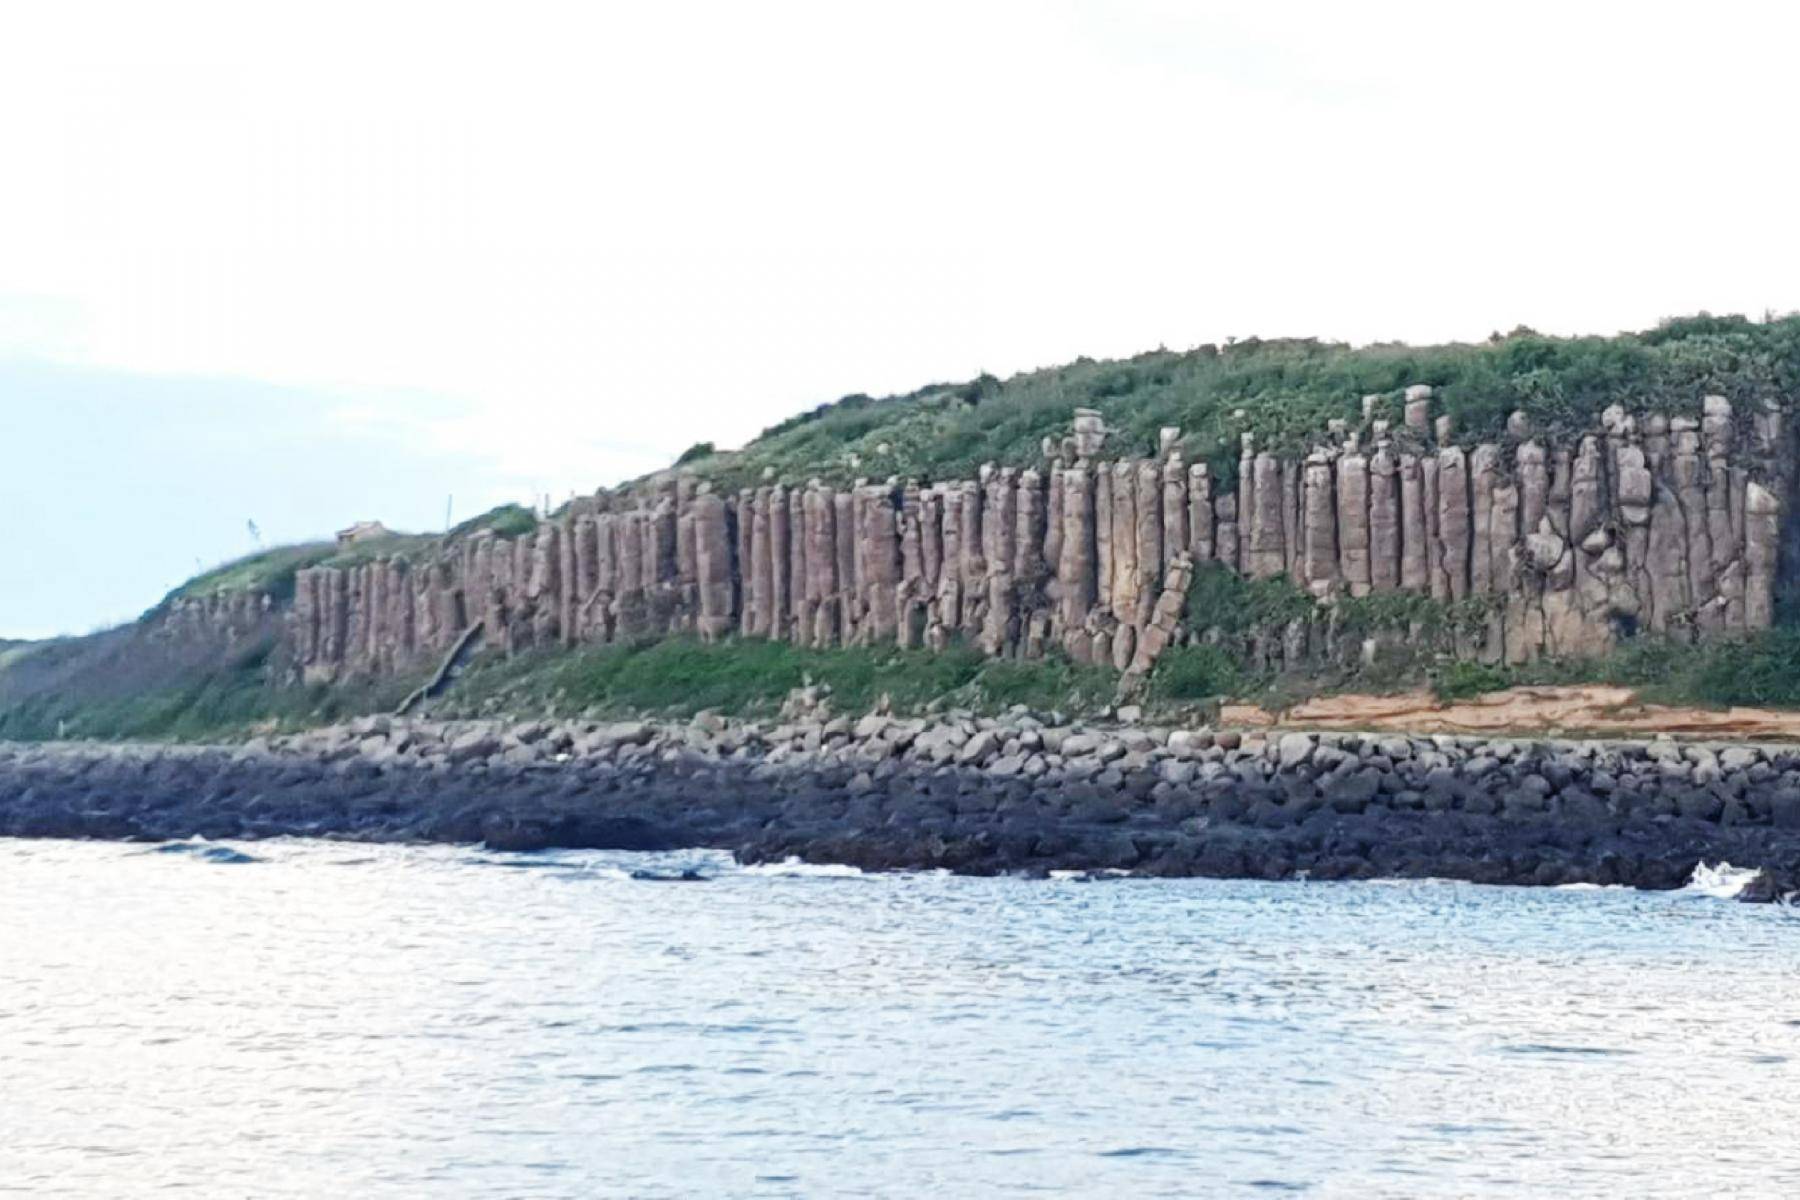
(1762, 549)
(584, 579)
(781, 613)
(1265, 555)
(1124, 541)
(1200, 513)
(602, 613)
(881, 563)
(1635, 492)
(1075, 569)
(1319, 525)
(849, 598)
(1724, 513)
(1353, 522)
(1293, 521)
(974, 563)
(762, 567)
(1687, 482)
(949, 595)
(1483, 475)
(822, 585)
(1246, 498)
(1103, 535)
(1414, 576)
(711, 545)
(1030, 535)
(800, 616)
(630, 605)
(1147, 520)
(1665, 564)
(1453, 523)
(910, 601)
(1225, 529)
(1178, 538)
(1384, 519)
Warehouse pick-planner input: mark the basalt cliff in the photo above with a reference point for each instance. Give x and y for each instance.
(1672, 522)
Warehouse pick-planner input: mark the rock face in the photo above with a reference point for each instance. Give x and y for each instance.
(1673, 522)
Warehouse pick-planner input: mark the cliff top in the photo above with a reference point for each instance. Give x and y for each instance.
(1286, 391)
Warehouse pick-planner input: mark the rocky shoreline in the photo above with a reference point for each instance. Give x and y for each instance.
(977, 795)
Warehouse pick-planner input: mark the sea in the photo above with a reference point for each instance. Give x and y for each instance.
(306, 1018)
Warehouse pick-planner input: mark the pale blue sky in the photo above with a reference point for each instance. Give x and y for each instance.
(307, 265)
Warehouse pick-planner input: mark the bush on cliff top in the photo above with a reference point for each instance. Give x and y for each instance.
(1284, 390)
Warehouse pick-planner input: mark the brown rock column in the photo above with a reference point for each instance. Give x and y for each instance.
(1225, 529)
(800, 617)
(746, 562)
(949, 596)
(974, 561)
(1177, 535)
(1665, 564)
(1293, 521)
(910, 613)
(781, 613)
(1687, 477)
(822, 566)
(1454, 541)
(1724, 513)
(1319, 556)
(1200, 512)
(1414, 571)
(601, 615)
(1103, 535)
(1353, 522)
(1484, 466)
(881, 560)
(762, 567)
(1147, 519)
(1384, 519)
(843, 518)
(711, 545)
(1266, 554)
(1124, 541)
(1077, 590)
(1762, 548)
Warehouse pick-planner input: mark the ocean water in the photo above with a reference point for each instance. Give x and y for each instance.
(307, 1018)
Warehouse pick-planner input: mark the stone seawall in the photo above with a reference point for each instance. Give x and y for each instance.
(1657, 522)
(1013, 794)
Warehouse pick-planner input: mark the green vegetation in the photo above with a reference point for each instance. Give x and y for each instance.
(272, 571)
(186, 700)
(1192, 673)
(680, 676)
(695, 453)
(1286, 390)
(1761, 669)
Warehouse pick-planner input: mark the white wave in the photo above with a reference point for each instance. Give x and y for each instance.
(1590, 887)
(794, 868)
(1721, 882)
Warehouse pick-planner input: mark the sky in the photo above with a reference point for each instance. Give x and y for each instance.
(306, 264)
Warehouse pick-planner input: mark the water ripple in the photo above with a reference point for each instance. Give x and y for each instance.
(398, 1021)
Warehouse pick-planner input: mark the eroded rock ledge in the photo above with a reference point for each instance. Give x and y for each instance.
(1012, 794)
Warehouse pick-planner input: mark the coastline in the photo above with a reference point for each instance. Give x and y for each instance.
(981, 796)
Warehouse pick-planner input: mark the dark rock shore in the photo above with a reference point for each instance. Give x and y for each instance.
(1013, 794)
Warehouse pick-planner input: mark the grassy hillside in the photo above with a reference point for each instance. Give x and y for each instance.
(1284, 390)
(272, 571)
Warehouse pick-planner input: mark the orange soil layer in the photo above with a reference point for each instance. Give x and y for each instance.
(1567, 711)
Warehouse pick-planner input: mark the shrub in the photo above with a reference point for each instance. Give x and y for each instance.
(1463, 679)
(1195, 673)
